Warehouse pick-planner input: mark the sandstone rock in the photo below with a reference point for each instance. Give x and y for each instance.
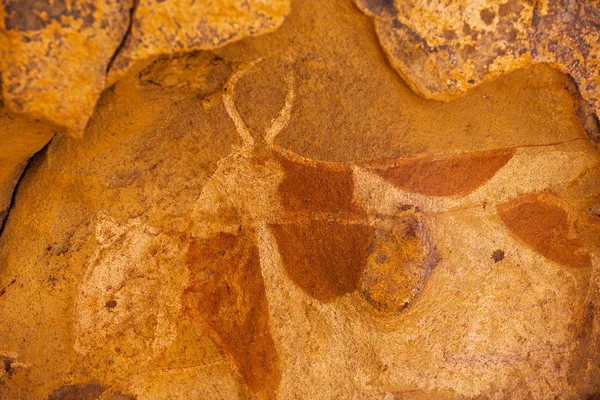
(444, 48)
(284, 218)
(54, 56)
(21, 139)
(162, 27)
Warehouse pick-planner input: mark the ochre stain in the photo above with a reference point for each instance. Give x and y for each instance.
(227, 294)
(453, 176)
(325, 259)
(540, 222)
(315, 188)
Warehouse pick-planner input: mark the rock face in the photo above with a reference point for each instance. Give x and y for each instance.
(21, 138)
(166, 27)
(284, 218)
(55, 55)
(444, 48)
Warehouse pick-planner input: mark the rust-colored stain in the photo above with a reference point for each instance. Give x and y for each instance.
(227, 294)
(541, 223)
(315, 188)
(453, 176)
(325, 259)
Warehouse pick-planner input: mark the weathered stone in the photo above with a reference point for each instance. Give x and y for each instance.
(54, 56)
(443, 48)
(284, 218)
(20, 139)
(162, 27)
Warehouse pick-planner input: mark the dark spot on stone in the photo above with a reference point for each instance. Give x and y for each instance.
(217, 77)
(471, 81)
(221, 252)
(449, 35)
(111, 304)
(498, 255)
(487, 16)
(466, 29)
(7, 286)
(468, 50)
(8, 367)
(379, 8)
(89, 391)
(535, 18)
(27, 15)
(405, 207)
(381, 258)
(510, 7)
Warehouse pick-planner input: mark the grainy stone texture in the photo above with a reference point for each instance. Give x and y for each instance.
(54, 56)
(172, 26)
(284, 218)
(446, 47)
(20, 139)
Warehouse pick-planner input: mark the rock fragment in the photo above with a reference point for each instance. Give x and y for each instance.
(443, 48)
(54, 56)
(170, 26)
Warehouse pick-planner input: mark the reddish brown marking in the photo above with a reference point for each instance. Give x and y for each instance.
(541, 223)
(325, 259)
(455, 176)
(315, 188)
(227, 293)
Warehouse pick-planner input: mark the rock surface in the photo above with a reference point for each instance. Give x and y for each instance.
(21, 138)
(162, 27)
(443, 48)
(55, 55)
(284, 218)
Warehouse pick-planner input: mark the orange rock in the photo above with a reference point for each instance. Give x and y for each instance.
(443, 48)
(169, 26)
(54, 56)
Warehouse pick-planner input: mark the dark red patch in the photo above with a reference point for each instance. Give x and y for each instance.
(541, 223)
(498, 256)
(325, 259)
(315, 188)
(227, 294)
(454, 176)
